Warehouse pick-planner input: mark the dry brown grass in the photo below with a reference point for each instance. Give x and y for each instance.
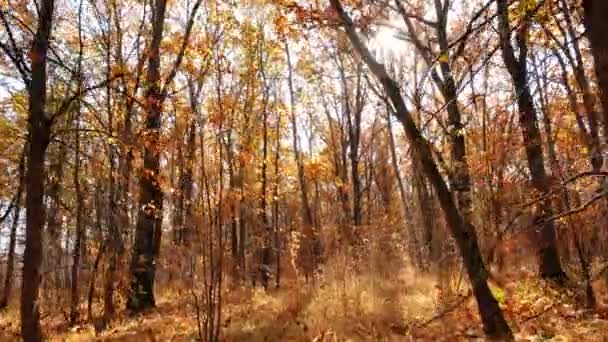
(379, 299)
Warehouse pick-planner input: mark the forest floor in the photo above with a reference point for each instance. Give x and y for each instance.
(356, 309)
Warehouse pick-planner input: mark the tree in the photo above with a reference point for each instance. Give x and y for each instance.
(550, 266)
(39, 132)
(463, 232)
(148, 231)
(594, 13)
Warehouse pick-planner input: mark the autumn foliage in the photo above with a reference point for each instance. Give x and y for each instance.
(303, 170)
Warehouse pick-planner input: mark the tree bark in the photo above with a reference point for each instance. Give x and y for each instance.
(596, 26)
(595, 151)
(550, 266)
(148, 229)
(40, 131)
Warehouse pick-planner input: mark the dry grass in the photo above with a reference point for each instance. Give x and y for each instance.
(390, 303)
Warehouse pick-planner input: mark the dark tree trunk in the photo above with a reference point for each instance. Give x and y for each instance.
(178, 195)
(39, 131)
(550, 266)
(596, 26)
(353, 120)
(113, 236)
(99, 205)
(275, 201)
(264, 267)
(595, 153)
(463, 232)
(148, 228)
(187, 185)
(78, 241)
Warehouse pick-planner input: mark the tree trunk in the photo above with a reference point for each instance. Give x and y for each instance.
(414, 245)
(307, 212)
(148, 229)
(595, 152)
(550, 266)
(353, 120)
(275, 201)
(78, 241)
(310, 247)
(267, 229)
(596, 26)
(39, 131)
(463, 232)
(178, 195)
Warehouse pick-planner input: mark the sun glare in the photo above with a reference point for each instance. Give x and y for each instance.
(386, 42)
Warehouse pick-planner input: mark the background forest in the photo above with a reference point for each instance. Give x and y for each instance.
(303, 170)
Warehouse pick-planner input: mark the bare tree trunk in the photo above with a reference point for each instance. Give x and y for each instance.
(78, 241)
(40, 131)
(353, 120)
(414, 244)
(187, 185)
(148, 229)
(275, 200)
(550, 266)
(178, 195)
(99, 214)
(267, 229)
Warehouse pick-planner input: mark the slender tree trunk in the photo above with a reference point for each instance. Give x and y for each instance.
(307, 212)
(310, 248)
(114, 231)
(40, 131)
(550, 266)
(99, 214)
(414, 244)
(53, 263)
(178, 196)
(187, 185)
(267, 229)
(148, 229)
(78, 241)
(275, 200)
